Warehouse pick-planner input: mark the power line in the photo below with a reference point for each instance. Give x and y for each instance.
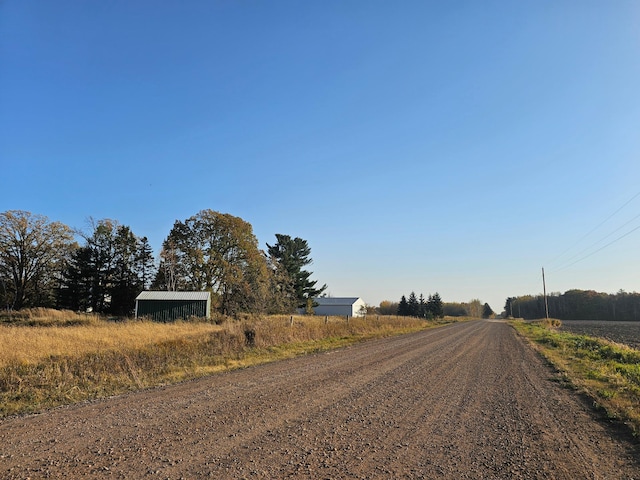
(599, 241)
(595, 228)
(601, 248)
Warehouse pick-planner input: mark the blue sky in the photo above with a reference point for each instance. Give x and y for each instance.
(456, 147)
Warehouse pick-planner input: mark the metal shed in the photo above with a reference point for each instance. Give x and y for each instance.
(171, 306)
(351, 306)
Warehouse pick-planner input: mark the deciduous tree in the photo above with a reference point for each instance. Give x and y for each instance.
(282, 296)
(218, 252)
(474, 307)
(454, 309)
(578, 305)
(387, 307)
(33, 250)
(170, 275)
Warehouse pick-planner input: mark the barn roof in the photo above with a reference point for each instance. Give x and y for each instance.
(336, 300)
(158, 295)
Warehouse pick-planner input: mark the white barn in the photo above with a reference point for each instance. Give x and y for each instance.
(341, 306)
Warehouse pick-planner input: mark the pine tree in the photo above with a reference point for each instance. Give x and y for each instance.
(414, 306)
(108, 272)
(422, 307)
(75, 290)
(126, 282)
(145, 263)
(403, 307)
(293, 254)
(435, 306)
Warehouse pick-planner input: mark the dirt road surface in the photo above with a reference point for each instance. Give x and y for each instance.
(469, 400)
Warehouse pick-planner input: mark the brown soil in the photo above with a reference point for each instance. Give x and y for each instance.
(620, 332)
(468, 400)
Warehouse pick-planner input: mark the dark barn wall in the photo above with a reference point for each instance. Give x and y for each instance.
(171, 310)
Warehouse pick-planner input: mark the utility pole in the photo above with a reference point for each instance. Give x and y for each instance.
(544, 289)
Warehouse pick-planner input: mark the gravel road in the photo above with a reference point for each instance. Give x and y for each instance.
(468, 400)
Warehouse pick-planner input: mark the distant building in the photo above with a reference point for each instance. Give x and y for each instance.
(171, 306)
(340, 306)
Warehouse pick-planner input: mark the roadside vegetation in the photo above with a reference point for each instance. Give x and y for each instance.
(50, 358)
(606, 371)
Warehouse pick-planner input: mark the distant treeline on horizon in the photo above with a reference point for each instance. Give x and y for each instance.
(577, 305)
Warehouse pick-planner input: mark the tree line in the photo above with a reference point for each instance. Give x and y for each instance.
(474, 308)
(577, 305)
(42, 264)
(415, 306)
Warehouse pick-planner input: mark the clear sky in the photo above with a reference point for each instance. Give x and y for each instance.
(436, 146)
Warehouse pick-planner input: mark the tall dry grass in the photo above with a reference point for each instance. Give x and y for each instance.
(46, 317)
(33, 344)
(41, 367)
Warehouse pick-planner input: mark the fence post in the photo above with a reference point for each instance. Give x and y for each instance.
(326, 319)
(291, 321)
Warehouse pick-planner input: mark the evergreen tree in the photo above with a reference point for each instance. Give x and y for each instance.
(75, 290)
(422, 307)
(486, 311)
(126, 283)
(293, 254)
(145, 263)
(435, 306)
(101, 266)
(508, 306)
(403, 307)
(413, 305)
(108, 272)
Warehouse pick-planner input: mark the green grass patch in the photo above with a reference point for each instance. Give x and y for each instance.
(608, 372)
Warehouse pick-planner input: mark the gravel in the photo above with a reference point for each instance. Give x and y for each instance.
(468, 400)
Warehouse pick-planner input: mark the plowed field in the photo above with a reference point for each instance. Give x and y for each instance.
(620, 332)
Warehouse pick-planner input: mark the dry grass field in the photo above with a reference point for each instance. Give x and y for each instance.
(53, 358)
(30, 345)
